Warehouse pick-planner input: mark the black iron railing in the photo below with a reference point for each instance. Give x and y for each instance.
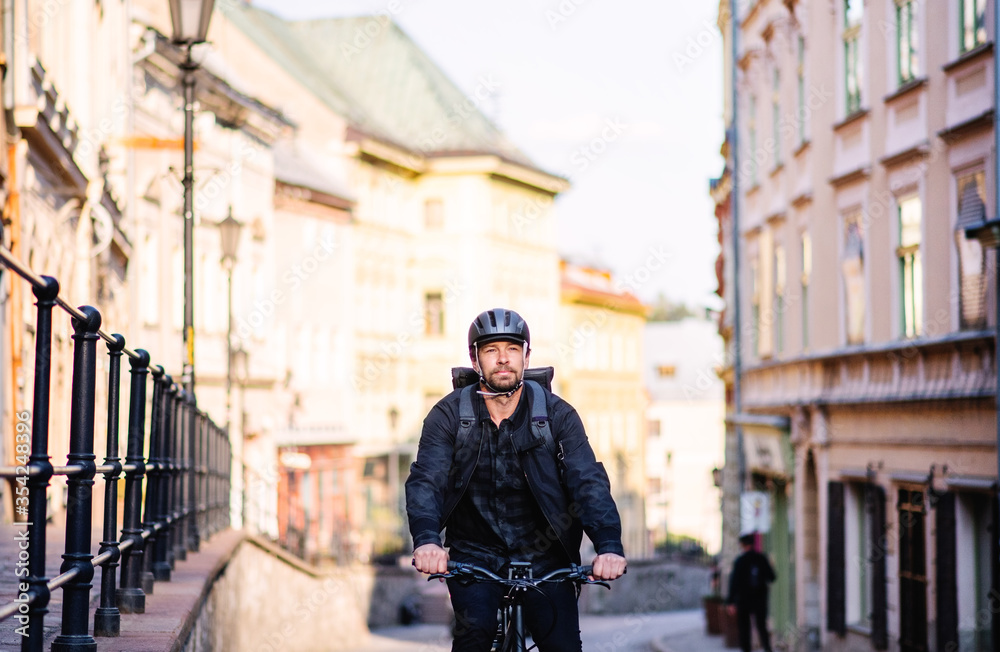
(187, 478)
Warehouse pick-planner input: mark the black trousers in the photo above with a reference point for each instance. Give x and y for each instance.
(758, 612)
(551, 616)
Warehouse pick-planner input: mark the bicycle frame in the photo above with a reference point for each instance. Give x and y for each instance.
(511, 635)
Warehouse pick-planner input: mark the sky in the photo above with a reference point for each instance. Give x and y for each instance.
(624, 99)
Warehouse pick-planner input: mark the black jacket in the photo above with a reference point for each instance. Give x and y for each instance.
(748, 583)
(440, 475)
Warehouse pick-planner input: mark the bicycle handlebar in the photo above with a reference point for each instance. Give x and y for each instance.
(578, 574)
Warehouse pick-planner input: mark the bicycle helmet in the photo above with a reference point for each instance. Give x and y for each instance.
(499, 324)
(495, 325)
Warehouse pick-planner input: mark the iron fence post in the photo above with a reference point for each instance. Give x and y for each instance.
(39, 467)
(227, 463)
(107, 618)
(213, 481)
(179, 530)
(130, 596)
(194, 423)
(162, 563)
(220, 468)
(217, 482)
(75, 636)
(151, 513)
(204, 530)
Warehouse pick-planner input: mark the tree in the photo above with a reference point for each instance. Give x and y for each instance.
(666, 310)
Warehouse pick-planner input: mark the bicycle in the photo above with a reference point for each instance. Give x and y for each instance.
(510, 636)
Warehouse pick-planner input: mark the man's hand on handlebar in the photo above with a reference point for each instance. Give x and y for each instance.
(430, 558)
(608, 566)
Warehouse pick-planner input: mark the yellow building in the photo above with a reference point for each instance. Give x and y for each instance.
(431, 217)
(599, 371)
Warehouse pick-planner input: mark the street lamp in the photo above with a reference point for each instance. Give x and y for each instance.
(190, 20)
(229, 235)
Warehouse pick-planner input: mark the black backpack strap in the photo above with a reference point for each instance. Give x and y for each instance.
(466, 416)
(541, 426)
(463, 450)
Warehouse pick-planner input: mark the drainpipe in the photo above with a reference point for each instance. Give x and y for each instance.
(996, 215)
(734, 210)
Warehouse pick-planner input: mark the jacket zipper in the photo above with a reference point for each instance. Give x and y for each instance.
(465, 485)
(539, 503)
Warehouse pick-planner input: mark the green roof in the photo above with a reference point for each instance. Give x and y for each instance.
(368, 70)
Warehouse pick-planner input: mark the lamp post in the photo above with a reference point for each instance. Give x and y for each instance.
(392, 460)
(229, 235)
(190, 20)
(239, 365)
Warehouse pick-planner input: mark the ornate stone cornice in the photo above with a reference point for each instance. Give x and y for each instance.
(958, 366)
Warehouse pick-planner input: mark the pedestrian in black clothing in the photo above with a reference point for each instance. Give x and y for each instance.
(501, 496)
(748, 588)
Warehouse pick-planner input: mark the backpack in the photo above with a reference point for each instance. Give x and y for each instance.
(467, 379)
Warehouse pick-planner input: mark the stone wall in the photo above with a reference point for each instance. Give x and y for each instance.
(650, 585)
(265, 600)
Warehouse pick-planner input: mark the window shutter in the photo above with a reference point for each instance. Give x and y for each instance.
(944, 572)
(880, 610)
(836, 585)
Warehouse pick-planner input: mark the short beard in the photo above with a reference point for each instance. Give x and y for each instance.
(503, 384)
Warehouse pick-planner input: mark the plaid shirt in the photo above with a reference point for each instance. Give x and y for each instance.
(498, 519)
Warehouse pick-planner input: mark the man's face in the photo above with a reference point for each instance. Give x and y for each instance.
(502, 363)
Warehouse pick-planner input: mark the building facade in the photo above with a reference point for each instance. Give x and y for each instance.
(864, 132)
(686, 431)
(599, 355)
(64, 189)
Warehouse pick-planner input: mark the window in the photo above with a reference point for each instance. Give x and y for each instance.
(858, 547)
(666, 370)
(853, 268)
(906, 40)
(806, 273)
(801, 75)
(434, 313)
(752, 140)
(763, 292)
(972, 264)
(779, 298)
(853, 13)
(910, 267)
(433, 214)
(972, 22)
(776, 116)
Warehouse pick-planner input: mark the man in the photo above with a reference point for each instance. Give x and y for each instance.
(748, 588)
(502, 496)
